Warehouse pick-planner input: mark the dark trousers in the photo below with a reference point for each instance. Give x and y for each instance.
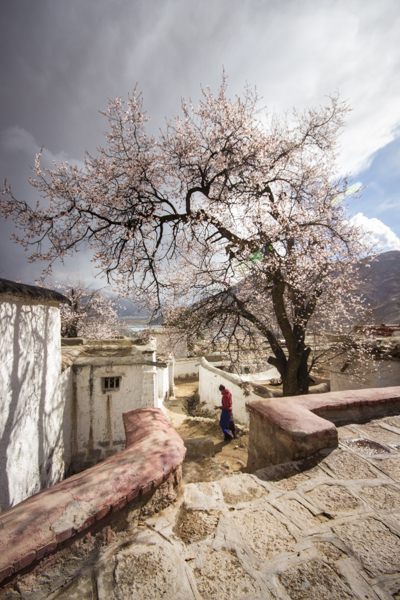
(227, 424)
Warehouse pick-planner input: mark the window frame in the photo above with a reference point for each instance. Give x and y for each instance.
(107, 379)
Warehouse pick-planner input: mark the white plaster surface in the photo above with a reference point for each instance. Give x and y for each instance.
(162, 386)
(97, 420)
(32, 409)
(149, 387)
(170, 342)
(270, 373)
(171, 376)
(374, 374)
(210, 378)
(66, 390)
(186, 367)
(50, 419)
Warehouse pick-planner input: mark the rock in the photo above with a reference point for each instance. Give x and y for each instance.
(73, 517)
(199, 447)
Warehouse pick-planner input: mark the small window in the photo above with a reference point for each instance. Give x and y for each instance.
(110, 384)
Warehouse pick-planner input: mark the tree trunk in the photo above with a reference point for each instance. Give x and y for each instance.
(302, 372)
(294, 372)
(71, 331)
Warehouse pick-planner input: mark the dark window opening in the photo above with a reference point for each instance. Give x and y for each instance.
(111, 384)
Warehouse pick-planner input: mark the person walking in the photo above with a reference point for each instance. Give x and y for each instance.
(226, 421)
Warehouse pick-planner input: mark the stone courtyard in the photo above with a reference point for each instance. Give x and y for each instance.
(326, 528)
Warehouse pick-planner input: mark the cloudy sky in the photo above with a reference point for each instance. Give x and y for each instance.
(61, 60)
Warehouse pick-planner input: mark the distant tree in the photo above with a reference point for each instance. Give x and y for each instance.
(91, 314)
(232, 222)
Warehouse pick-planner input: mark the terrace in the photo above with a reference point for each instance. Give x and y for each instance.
(324, 525)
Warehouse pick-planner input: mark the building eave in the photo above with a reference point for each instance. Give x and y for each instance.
(12, 288)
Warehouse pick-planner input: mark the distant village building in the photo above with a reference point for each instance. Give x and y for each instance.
(378, 366)
(382, 330)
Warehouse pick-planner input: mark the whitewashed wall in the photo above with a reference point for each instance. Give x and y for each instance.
(170, 342)
(32, 410)
(374, 374)
(66, 391)
(48, 418)
(149, 387)
(186, 367)
(210, 378)
(97, 426)
(270, 373)
(162, 386)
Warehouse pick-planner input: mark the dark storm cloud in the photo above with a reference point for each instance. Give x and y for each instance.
(62, 60)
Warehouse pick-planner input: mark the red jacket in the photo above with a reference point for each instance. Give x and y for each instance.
(227, 400)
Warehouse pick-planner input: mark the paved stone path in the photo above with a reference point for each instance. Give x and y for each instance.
(327, 529)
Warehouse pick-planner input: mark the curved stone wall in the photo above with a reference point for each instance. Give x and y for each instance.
(292, 428)
(35, 527)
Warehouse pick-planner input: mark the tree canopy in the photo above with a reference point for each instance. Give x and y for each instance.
(232, 220)
(90, 315)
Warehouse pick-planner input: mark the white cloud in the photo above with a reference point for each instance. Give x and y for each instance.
(17, 139)
(296, 54)
(350, 47)
(378, 232)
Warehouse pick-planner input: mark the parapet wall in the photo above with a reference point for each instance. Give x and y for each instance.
(291, 428)
(210, 378)
(37, 526)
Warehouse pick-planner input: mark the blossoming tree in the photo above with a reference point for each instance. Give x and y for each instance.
(232, 221)
(91, 314)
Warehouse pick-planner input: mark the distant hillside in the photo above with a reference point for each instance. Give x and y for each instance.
(128, 309)
(381, 286)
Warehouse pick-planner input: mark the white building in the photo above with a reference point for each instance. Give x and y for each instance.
(108, 378)
(170, 341)
(378, 366)
(31, 407)
(61, 408)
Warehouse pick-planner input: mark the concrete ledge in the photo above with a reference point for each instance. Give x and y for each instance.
(352, 406)
(291, 428)
(35, 527)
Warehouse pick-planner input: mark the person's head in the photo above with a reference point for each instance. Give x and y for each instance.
(221, 388)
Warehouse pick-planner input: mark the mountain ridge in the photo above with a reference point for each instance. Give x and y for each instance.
(380, 286)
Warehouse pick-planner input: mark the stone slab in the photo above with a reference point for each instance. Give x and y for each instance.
(325, 528)
(200, 447)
